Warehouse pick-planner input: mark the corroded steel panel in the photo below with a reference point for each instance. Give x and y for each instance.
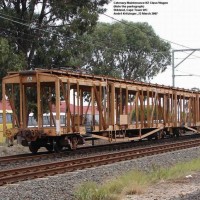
(110, 103)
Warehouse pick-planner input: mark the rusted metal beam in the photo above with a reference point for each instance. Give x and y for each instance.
(152, 104)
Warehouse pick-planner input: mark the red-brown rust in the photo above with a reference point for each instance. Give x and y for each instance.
(168, 109)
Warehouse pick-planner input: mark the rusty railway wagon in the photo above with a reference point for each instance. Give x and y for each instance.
(127, 110)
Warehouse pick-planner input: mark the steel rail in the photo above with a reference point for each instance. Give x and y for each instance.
(26, 173)
(97, 148)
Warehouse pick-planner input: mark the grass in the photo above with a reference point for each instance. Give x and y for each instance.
(134, 182)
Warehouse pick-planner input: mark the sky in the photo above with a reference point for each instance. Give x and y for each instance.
(176, 21)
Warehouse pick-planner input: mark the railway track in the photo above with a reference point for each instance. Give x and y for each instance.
(45, 155)
(6, 160)
(38, 171)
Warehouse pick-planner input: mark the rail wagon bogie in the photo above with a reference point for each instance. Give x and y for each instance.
(116, 110)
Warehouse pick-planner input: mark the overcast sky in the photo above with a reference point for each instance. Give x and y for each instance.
(178, 22)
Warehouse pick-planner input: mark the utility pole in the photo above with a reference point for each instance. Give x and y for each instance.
(174, 66)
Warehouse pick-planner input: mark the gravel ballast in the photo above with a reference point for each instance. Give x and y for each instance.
(63, 186)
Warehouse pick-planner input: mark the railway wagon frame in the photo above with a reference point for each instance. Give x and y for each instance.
(128, 110)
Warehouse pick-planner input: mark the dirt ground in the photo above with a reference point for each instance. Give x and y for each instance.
(166, 190)
(16, 149)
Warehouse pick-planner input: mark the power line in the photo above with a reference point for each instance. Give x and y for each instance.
(47, 31)
(55, 33)
(187, 73)
(183, 58)
(17, 18)
(11, 36)
(17, 31)
(123, 22)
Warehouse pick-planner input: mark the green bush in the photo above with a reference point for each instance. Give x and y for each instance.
(134, 182)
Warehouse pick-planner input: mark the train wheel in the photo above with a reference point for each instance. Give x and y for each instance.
(33, 148)
(57, 147)
(49, 148)
(74, 143)
(176, 132)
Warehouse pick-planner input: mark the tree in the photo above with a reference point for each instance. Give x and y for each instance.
(9, 61)
(127, 50)
(35, 26)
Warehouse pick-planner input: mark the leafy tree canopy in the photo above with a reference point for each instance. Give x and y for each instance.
(9, 60)
(31, 25)
(63, 33)
(128, 50)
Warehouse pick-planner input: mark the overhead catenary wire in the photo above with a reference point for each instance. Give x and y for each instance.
(13, 31)
(72, 38)
(123, 22)
(11, 36)
(98, 45)
(187, 73)
(195, 56)
(47, 31)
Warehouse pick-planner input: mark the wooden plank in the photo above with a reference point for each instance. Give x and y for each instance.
(24, 108)
(12, 79)
(178, 109)
(100, 137)
(181, 109)
(105, 103)
(4, 106)
(132, 109)
(136, 109)
(44, 77)
(197, 108)
(126, 102)
(141, 108)
(81, 105)
(67, 100)
(52, 119)
(147, 134)
(98, 98)
(190, 110)
(120, 101)
(57, 92)
(148, 109)
(99, 101)
(21, 103)
(38, 101)
(108, 105)
(197, 112)
(172, 109)
(160, 109)
(165, 109)
(87, 111)
(157, 108)
(117, 105)
(12, 105)
(66, 95)
(112, 105)
(191, 129)
(74, 103)
(78, 105)
(93, 106)
(153, 107)
(175, 109)
(184, 113)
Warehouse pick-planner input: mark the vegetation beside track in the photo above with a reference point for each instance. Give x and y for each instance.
(134, 182)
